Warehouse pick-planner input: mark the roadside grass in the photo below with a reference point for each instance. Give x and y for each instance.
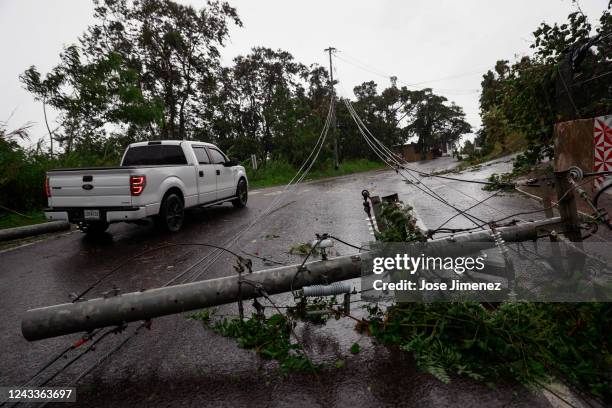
(11, 220)
(279, 173)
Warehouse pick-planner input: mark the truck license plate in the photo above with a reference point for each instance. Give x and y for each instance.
(91, 214)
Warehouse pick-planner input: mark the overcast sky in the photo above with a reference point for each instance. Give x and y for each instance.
(446, 45)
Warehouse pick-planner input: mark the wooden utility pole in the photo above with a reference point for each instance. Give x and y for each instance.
(330, 50)
(567, 206)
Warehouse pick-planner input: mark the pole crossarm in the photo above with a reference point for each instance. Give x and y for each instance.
(88, 315)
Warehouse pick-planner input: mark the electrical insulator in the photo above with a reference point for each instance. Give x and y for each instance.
(336, 288)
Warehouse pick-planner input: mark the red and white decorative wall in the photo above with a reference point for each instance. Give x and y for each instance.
(602, 143)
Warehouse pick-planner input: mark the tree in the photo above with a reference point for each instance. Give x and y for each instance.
(398, 114)
(91, 95)
(151, 66)
(175, 49)
(385, 115)
(434, 122)
(468, 148)
(565, 79)
(267, 85)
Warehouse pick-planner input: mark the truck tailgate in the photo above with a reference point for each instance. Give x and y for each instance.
(90, 188)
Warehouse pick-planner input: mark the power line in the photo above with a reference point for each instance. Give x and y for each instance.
(403, 104)
(388, 158)
(346, 243)
(488, 183)
(467, 209)
(465, 74)
(391, 158)
(569, 94)
(79, 356)
(592, 79)
(362, 65)
(107, 355)
(451, 91)
(497, 221)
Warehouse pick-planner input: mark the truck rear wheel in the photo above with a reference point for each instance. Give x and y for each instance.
(242, 194)
(171, 213)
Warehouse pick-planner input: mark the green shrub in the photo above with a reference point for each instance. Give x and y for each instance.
(399, 224)
(269, 337)
(22, 172)
(530, 343)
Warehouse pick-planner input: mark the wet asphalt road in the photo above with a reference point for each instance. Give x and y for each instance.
(178, 363)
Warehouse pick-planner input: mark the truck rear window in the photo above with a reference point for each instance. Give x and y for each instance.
(154, 155)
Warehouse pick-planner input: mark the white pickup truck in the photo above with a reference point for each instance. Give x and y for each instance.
(157, 179)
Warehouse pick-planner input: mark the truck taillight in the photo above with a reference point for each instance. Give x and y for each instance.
(47, 188)
(137, 184)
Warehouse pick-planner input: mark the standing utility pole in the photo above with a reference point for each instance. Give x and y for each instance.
(333, 101)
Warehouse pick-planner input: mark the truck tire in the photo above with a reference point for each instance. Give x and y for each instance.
(94, 227)
(171, 213)
(242, 194)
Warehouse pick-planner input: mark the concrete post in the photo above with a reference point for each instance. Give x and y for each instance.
(69, 318)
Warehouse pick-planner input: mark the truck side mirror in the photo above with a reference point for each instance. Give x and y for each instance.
(232, 162)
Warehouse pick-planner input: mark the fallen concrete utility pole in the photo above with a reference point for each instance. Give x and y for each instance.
(31, 230)
(82, 316)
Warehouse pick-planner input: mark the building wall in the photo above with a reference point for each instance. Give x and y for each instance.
(410, 153)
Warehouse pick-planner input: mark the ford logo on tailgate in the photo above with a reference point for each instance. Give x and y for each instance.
(87, 186)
